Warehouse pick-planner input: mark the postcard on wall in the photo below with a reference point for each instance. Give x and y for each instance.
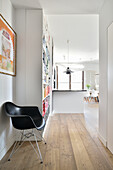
(7, 48)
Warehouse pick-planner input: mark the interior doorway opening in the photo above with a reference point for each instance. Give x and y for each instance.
(75, 64)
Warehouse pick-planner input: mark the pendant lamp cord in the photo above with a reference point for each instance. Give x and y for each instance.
(68, 50)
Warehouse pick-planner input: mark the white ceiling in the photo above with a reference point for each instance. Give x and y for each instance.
(71, 6)
(62, 6)
(26, 3)
(83, 33)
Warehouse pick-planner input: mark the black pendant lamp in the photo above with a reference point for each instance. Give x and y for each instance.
(68, 70)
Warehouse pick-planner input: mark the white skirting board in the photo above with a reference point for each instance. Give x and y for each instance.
(102, 140)
(46, 124)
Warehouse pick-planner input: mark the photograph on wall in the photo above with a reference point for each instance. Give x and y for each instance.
(7, 48)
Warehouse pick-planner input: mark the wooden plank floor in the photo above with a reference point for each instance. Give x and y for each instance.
(72, 144)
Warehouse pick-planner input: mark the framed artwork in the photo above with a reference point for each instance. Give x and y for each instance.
(7, 48)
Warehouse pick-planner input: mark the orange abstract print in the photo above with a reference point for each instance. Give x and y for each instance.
(6, 47)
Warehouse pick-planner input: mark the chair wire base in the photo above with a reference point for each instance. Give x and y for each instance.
(27, 135)
(40, 137)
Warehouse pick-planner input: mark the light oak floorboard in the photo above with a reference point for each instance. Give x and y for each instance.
(72, 144)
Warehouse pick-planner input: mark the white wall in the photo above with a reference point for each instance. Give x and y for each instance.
(29, 57)
(7, 88)
(29, 54)
(110, 88)
(106, 18)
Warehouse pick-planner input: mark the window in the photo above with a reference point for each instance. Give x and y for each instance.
(63, 79)
(76, 80)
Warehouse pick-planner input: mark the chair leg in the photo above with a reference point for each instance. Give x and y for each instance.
(44, 140)
(34, 149)
(88, 99)
(21, 137)
(16, 146)
(38, 148)
(12, 151)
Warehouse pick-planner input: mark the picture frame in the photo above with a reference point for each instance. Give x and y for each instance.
(8, 38)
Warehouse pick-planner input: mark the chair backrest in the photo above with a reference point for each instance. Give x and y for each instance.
(20, 119)
(11, 109)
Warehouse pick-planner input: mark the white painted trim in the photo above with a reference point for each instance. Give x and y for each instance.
(46, 125)
(6, 148)
(68, 113)
(102, 140)
(110, 149)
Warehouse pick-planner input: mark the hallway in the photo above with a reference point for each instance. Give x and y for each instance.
(72, 143)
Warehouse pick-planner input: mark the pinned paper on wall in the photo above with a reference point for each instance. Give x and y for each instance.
(7, 48)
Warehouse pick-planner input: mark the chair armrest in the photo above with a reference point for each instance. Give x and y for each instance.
(34, 114)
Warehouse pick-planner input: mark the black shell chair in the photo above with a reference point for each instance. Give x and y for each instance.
(24, 118)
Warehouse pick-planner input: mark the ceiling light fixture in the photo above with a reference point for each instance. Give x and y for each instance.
(68, 70)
